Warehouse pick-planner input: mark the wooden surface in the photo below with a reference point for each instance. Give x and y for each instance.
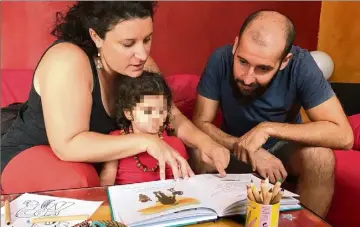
(301, 218)
(339, 35)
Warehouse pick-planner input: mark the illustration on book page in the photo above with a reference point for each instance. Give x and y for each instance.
(166, 200)
(28, 206)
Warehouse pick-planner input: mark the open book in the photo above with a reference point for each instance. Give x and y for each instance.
(201, 198)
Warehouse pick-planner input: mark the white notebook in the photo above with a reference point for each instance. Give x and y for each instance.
(201, 198)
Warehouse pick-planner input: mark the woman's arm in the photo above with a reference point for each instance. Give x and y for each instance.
(65, 84)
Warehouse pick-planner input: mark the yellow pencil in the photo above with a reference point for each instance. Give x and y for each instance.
(276, 188)
(256, 193)
(7, 212)
(264, 191)
(278, 197)
(267, 182)
(250, 194)
(58, 218)
(268, 198)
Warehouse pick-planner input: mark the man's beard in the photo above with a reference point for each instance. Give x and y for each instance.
(247, 97)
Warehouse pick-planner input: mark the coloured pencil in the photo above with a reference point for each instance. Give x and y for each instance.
(277, 197)
(276, 188)
(250, 194)
(256, 193)
(7, 212)
(267, 195)
(58, 218)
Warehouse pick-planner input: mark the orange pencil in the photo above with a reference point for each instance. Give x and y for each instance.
(7, 213)
(278, 197)
(276, 188)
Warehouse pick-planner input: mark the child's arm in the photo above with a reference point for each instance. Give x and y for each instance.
(108, 173)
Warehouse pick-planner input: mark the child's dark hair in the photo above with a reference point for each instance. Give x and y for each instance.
(101, 16)
(131, 90)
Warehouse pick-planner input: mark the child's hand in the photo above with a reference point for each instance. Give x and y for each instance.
(108, 173)
(166, 154)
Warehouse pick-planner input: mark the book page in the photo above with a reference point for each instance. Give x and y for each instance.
(224, 191)
(27, 206)
(244, 179)
(230, 193)
(145, 201)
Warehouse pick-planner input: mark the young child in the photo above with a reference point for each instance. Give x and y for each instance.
(143, 106)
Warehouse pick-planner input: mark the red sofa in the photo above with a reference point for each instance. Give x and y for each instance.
(56, 174)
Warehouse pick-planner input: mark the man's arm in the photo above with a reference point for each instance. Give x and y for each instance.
(204, 115)
(186, 130)
(329, 127)
(211, 152)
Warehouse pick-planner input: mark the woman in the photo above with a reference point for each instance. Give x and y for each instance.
(72, 98)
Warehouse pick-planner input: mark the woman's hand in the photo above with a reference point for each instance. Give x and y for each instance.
(166, 154)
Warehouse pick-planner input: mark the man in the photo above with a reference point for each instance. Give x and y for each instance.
(260, 83)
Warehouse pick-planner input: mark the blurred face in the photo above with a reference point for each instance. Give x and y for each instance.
(149, 115)
(255, 65)
(126, 47)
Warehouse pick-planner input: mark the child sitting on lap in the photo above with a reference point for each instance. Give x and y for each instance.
(143, 106)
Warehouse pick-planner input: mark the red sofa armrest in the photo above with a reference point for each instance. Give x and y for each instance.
(354, 121)
(38, 169)
(346, 191)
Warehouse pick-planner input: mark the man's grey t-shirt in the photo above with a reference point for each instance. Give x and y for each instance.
(300, 83)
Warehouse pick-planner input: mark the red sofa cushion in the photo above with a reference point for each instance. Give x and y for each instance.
(183, 87)
(15, 85)
(355, 125)
(346, 198)
(38, 169)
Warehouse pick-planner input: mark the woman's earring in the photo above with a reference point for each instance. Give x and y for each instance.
(98, 62)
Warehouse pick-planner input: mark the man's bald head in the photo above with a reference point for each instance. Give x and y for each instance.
(268, 27)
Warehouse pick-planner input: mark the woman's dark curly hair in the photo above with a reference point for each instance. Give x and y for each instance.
(132, 90)
(101, 16)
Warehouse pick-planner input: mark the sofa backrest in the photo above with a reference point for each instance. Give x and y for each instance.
(183, 87)
(15, 85)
